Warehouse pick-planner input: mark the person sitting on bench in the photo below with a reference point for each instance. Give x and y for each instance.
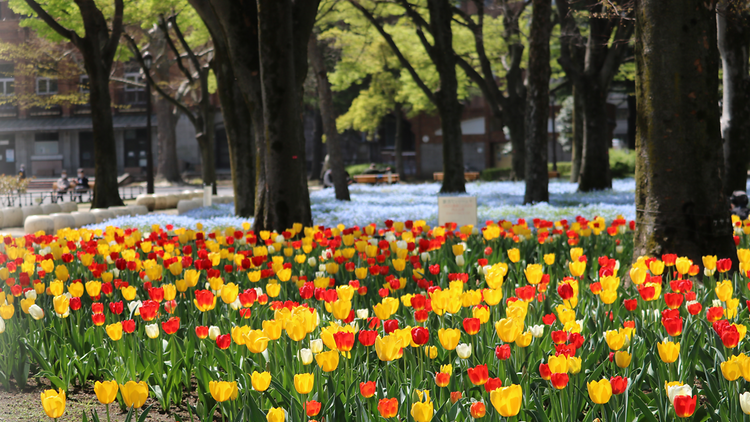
(82, 185)
(63, 184)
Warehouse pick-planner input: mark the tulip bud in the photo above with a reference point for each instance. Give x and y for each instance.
(322, 268)
(271, 250)
(2, 325)
(425, 256)
(363, 313)
(213, 332)
(31, 294)
(463, 350)
(305, 356)
(745, 402)
(36, 312)
(152, 331)
(460, 260)
(316, 346)
(619, 248)
(537, 331)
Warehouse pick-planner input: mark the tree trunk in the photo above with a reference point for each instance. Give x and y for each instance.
(734, 41)
(398, 144)
(166, 118)
(240, 135)
(537, 103)
(328, 114)
(446, 98)
(106, 193)
(595, 173)
(577, 141)
(514, 119)
(284, 147)
(316, 172)
(680, 205)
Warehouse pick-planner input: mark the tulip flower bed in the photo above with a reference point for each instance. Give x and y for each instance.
(518, 321)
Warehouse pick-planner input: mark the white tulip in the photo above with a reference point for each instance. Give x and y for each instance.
(135, 307)
(279, 239)
(213, 332)
(271, 250)
(320, 274)
(316, 346)
(744, 402)
(679, 390)
(717, 303)
(390, 237)
(402, 244)
(236, 305)
(537, 331)
(31, 294)
(486, 269)
(322, 268)
(373, 241)
(312, 261)
(116, 272)
(305, 356)
(425, 256)
(460, 260)
(708, 273)
(152, 331)
(619, 248)
(2, 325)
(463, 350)
(363, 313)
(36, 312)
(617, 265)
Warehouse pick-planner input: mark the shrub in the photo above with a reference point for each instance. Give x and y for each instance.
(495, 173)
(621, 163)
(357, 169)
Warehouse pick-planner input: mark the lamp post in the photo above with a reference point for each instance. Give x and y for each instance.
(147, 60)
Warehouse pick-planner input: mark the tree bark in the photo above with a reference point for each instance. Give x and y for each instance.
(537, 103)
(449, 108)
(577, 141)
(316, 172)
(398, 144)
(166, 118)
(680, 205)
(328, 115)
(514, 118)
(595, 173)
(734, 41)
(284, 147)
(515, 106)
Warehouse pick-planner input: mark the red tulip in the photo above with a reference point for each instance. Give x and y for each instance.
(630, 304)
(478, 375)
(684, 406)
(367, 338)
(544, 371)
(559, 380)
(201, 331)
(116, 307)
(619, 384)
(673, 300)
(559, 337)
(471, 325)
(98, 319)
(503, 352)
(97, 308)
(420, 335)
(390, 326)
(171, 326)
(493, 384)
(549, 319)
(224, 341)
(442, 379)
(128, 326)
(367, 389)
(673, 326)
(312, 408)
(344, 340)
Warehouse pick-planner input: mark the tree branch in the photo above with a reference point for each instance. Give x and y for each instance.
(495, 100)
(615, 54)
(183, 42)
(139, 57)
(165, 28)
(49, 20)
(389, 40)
(114, 38)
(568, 31)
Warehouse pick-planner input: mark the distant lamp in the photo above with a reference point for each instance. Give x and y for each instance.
(147, 60)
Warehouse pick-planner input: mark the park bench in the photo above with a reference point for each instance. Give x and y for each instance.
(373, 179)
(468, 176)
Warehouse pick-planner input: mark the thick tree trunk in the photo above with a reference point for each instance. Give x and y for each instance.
(284, 147)
(166, 119)
(328, 115)
(106, 193)
(595, 173)
(446, 98)
(398, 144)
(537, 103)
(318, 155)
(577, 141)
(734, 41)
(514, 119)
(680, 205)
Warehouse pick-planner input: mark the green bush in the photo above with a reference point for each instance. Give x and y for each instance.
(357, 169)
(622, 163)
(495, 173)
(563, 167)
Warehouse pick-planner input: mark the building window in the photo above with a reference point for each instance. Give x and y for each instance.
(86, 149)
(7, 86)
(83, 84)
(46, 86)
(46, 143)
(134, 94)
(135, 148)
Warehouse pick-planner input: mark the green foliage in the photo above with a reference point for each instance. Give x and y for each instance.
(12, 184)
(357, 169)
(496, 173)
(564, 123)
(622, 162)
(563, 167)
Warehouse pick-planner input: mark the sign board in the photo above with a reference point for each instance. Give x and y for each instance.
(461, 210)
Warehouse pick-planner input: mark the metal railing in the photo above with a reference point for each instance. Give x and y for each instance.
(53, 197)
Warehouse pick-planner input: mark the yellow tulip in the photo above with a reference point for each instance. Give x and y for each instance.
(276, 414)
(731, 369)
(260, 380)
(229, 293)
(295, 329)
(61, 304)
(656, 267)
(514, 255)
(61, 273)
(600, 391)
(134, 394)
(668, 351)
(94, 288)
(507, 400)
(273, 289)
(76, 289)
(508, 330)
(56, 288)
(328, 361)
(709, 262)
(128, 293)
(304, 383)
(53, 403)
(524, 340)
(341, 309)
(549, 258)
(683, 264)
(449, 337)
(223, 391)
(106, 392)
(622, 359)
(534, 273)
(388, 348)
(423, 410)
(577, 268)
(574, 365)
(724, 290)
(615, 339)
(114, 331)
(558, 364)
(256, 340)
(272, 329)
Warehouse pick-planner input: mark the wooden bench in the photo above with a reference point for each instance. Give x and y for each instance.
(468, 176)
(373, 179)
